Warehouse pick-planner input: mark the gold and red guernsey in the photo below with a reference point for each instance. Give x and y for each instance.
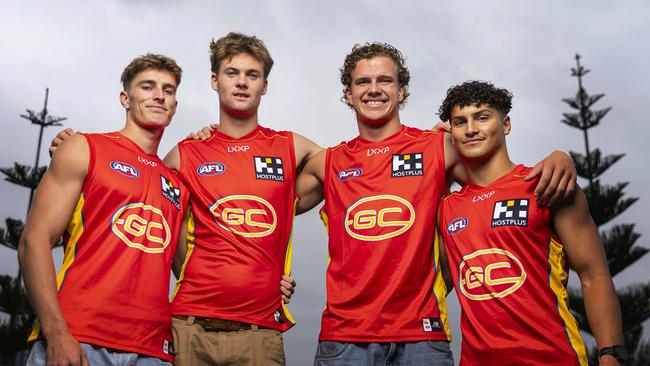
(119, 244)
(380, 209)
(510, 272)
(240, 231)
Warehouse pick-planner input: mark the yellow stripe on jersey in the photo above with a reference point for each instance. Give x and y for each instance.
(557, 280)
(439, 287)
(75, 229)
(188, 253)
(323, 216)
(288, 258)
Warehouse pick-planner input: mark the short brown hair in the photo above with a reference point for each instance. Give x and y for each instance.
(372, 50)
(150, 61)
(225, 48)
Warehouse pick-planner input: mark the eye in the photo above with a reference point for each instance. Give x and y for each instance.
(253, 76)
(170, 91)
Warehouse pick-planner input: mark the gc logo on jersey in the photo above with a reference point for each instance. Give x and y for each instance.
(170, 192)
(490, 273)
(406, 165)
(210, 169)
(125, 169)
(379, 217)
(269, 168)
(512, 212)
(246, 215)
(457, 225)
(348, 174)
(142, 227)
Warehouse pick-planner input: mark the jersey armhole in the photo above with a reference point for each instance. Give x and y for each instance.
(441, 163)
(92, 153)
(326, 178)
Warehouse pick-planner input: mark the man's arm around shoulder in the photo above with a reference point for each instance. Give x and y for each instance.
(54, 203)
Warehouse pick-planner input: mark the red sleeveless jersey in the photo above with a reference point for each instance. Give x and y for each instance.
(380, 207)
(510, 273)
(239, 235)
(119, 244)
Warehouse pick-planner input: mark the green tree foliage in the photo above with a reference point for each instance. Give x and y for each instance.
(13, 297)
(606, 202)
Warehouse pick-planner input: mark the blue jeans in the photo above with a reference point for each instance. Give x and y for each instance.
(408, 353)
(96, 356)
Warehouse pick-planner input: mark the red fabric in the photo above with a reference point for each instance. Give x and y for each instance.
(500, 259)
(243, 223)
(115, 294)
(381, 275)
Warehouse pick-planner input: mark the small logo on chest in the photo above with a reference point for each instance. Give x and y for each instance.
(513, 212)
(125, 169)
(238, 148)
(170, 192)
(210, 169)
(378, 150)
(269, 168)
(482, 196)
(348, 174)
(407, 165)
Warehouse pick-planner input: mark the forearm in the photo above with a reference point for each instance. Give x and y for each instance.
(39, 276)
(603, 311)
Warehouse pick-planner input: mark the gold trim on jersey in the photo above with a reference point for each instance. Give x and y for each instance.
(288, 258)
(557, 279)
(190, 248)
(323, 217)
(439, 287)
(75, 229)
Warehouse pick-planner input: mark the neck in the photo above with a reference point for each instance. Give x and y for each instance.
(147, 139)
(237, 126)
(378, 132)
(484, 172)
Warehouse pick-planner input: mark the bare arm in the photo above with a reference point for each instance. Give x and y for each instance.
(584, 248)
(173, 160)
(305, 149)
(46, 222)
(309, 184)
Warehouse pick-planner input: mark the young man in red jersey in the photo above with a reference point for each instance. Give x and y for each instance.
(385, 295)
(509, 256)
(120, 211)
(226, 305)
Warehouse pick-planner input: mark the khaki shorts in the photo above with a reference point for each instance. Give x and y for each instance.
(194, 346)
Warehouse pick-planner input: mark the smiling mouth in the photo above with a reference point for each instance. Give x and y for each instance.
(156, 108)
(374, 103)
(472, 141)
(241, 95)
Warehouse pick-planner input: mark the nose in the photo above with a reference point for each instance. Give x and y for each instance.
(158, 94)
(373, 89)
(471, 128)
(242, 81)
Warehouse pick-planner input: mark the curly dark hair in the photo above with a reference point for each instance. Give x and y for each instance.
(475, 92)
(368, 51)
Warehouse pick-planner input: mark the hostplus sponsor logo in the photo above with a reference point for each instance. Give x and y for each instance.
(125, 169)
(347, 174)
(269, 168)
(513, 212)
(407, 165)
(210, 169)
(170, 192)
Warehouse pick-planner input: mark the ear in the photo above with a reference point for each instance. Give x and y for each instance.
(402, 92)
(214, 82)
(348, 95)
(266, 86)
(124, 100)
(506, 125)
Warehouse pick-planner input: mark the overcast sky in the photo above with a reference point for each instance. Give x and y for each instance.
(78, 50)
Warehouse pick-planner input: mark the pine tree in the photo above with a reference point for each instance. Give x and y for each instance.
(13, 297)
(606, 202)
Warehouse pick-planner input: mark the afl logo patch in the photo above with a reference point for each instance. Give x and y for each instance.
(125, 169)
(457, 225)
(210, 169)
(348, 174)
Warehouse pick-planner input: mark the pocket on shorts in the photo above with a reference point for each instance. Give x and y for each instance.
(330, 349)
(441, 346)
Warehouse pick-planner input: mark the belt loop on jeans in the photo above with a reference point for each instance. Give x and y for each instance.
(190, 320)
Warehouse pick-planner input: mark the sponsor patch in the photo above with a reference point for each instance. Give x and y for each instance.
(457, 225)
(238, 148)
(513, 212)
(125, 169)
(431, 324)
(407, 165)
(378, 150)
(168, 347)
(482, 196)
(278, 316)
(348, 174)
(269, 168)
(147, 162)
(170, 192)
(210, 169)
